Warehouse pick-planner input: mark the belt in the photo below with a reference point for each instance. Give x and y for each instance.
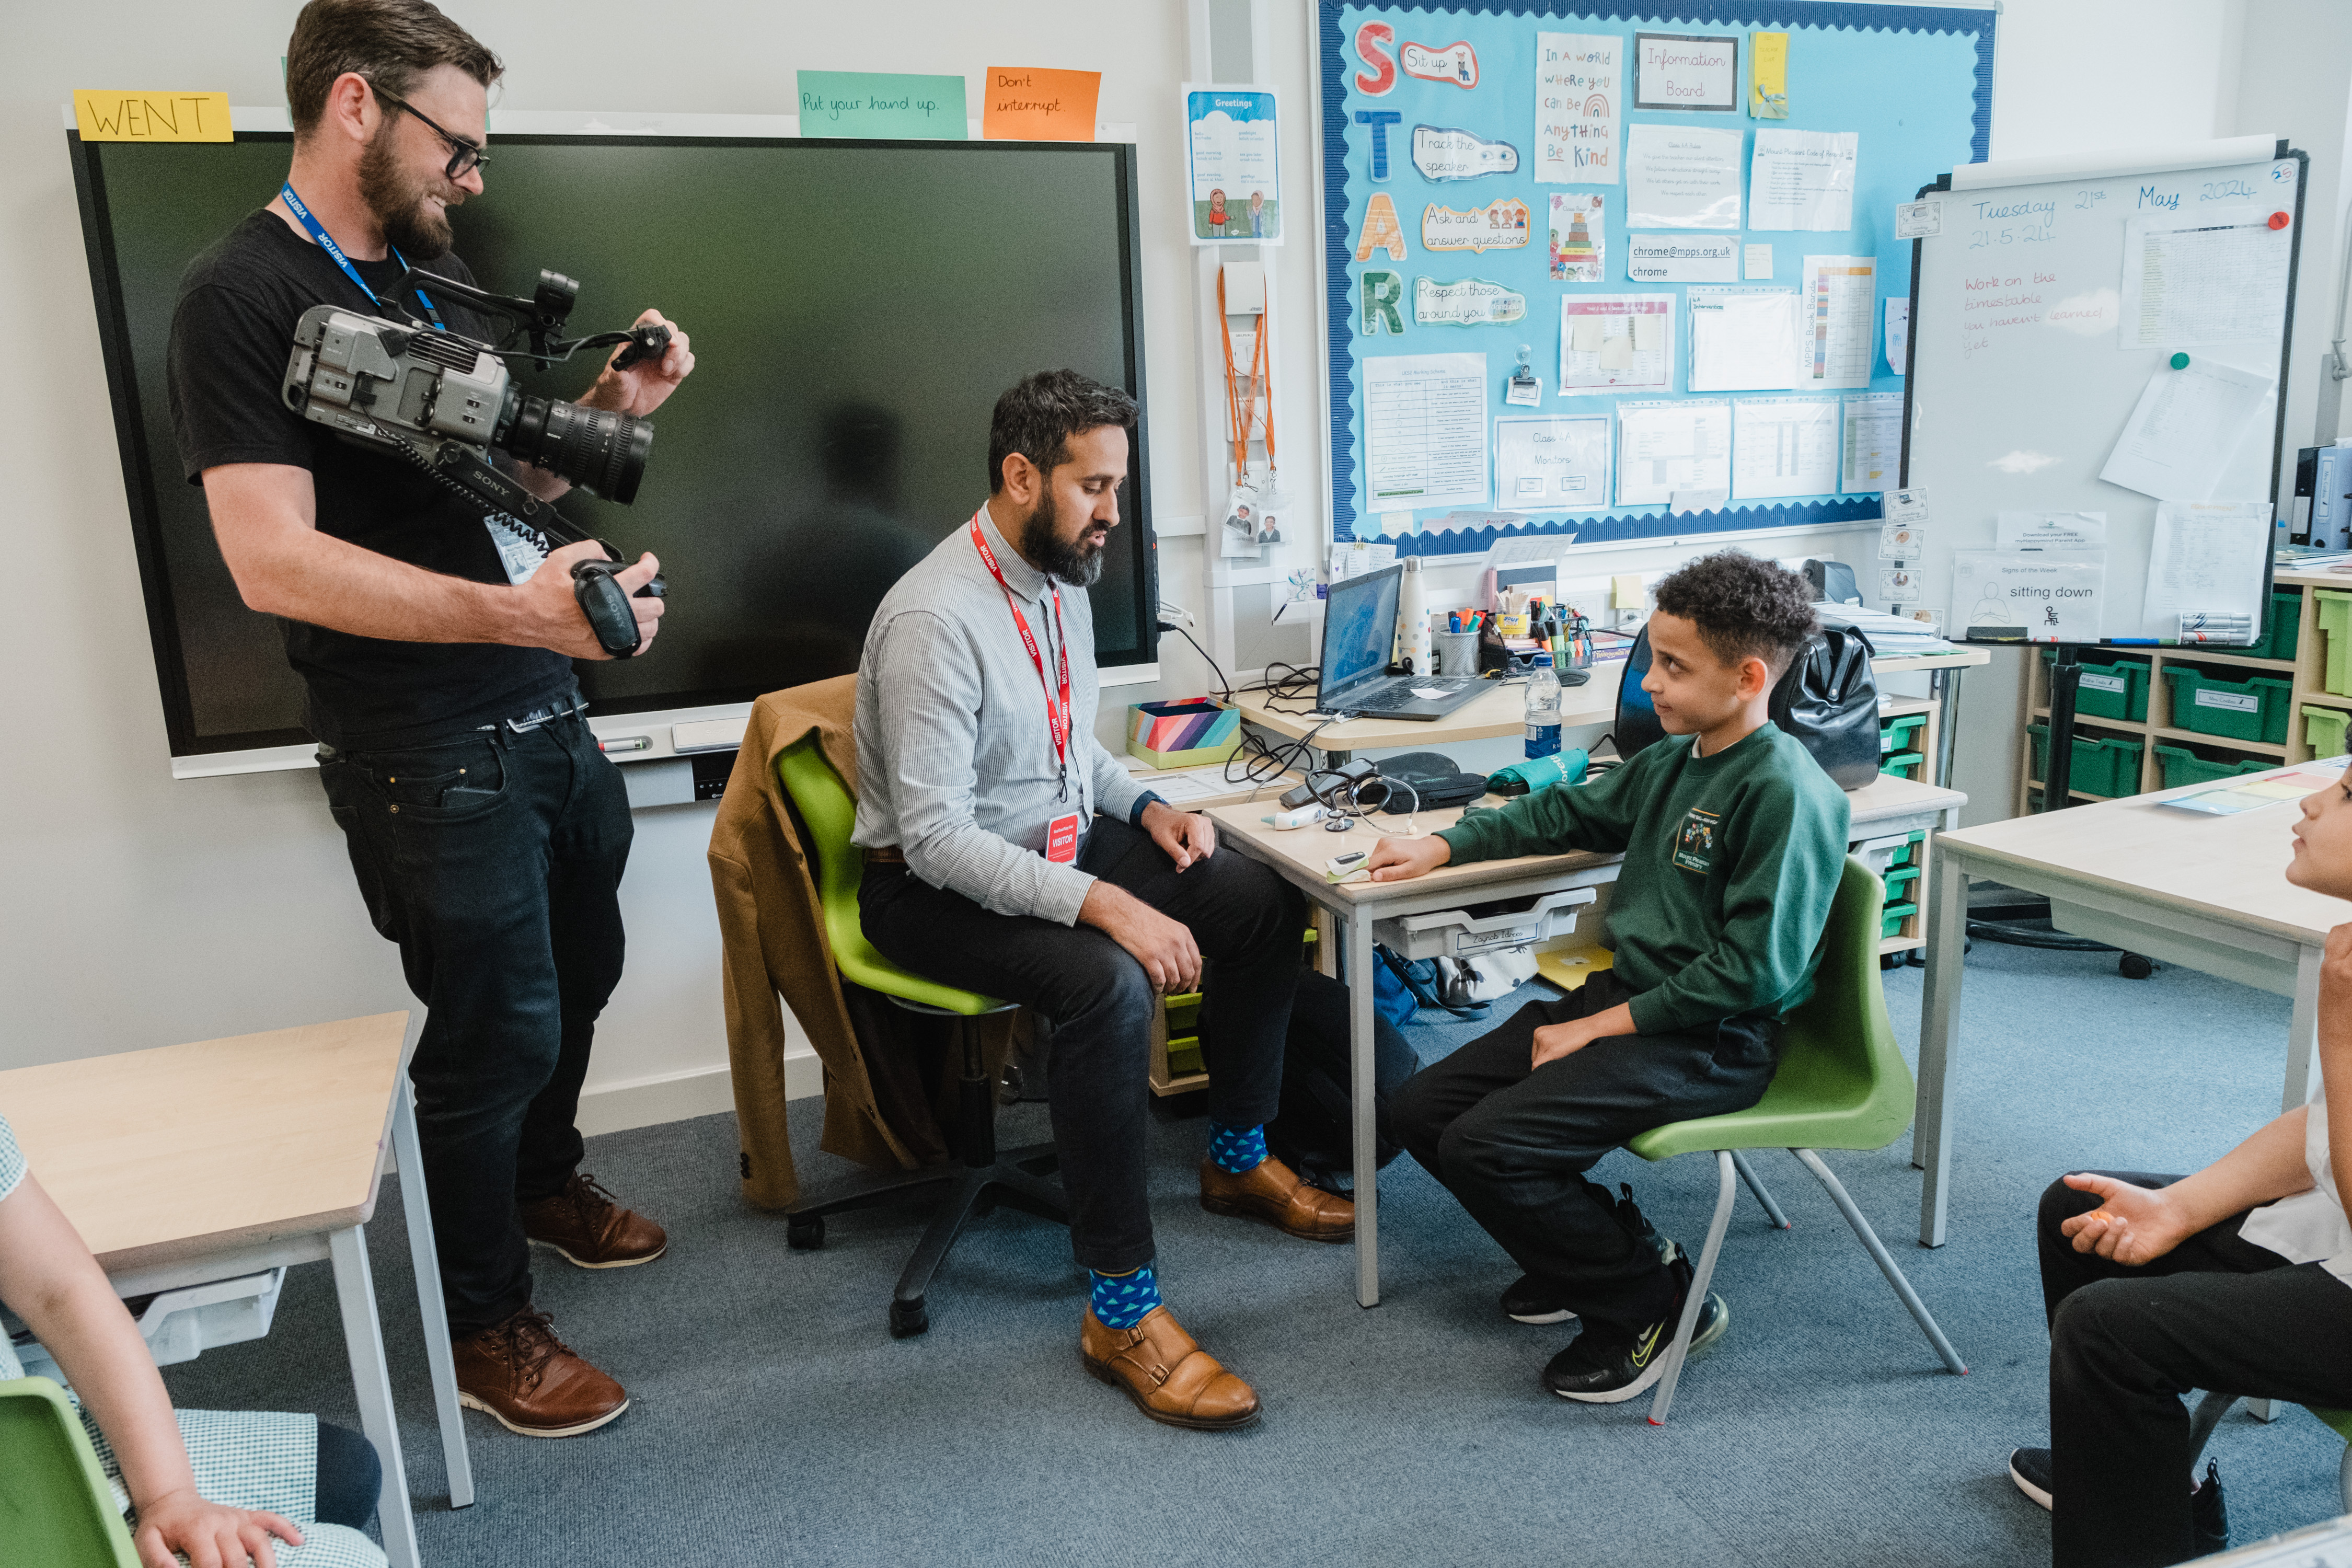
(547, 713)
(889, 855)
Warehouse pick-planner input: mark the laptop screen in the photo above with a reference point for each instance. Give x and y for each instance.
(1359, 629)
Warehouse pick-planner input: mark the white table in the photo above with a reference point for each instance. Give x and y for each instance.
(190, 1164)
(2206, 892)
(1886, 806)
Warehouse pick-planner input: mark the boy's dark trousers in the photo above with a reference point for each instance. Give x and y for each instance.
(2217, 1312)
(493, 859)
(1514, 1144)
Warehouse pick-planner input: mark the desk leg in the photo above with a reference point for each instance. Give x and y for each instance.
(1940, 1027)
(363, 1340)
(2303, 1030)
(1361, 1082)
(410, 1161)
(1944, 686)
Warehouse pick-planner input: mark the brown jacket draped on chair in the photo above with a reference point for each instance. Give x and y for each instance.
(885, 1069)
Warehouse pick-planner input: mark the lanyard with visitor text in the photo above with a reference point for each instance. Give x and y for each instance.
(1057, 715)
(326, 243)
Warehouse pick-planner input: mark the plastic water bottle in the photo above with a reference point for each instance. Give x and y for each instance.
(1543, 709)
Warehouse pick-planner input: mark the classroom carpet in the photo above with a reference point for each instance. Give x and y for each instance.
(776, 1421)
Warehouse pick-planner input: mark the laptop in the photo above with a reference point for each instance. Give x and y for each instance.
(1359, 623)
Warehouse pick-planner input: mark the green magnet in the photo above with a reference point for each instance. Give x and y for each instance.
(2180, 361)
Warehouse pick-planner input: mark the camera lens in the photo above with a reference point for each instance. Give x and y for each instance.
(598, 450)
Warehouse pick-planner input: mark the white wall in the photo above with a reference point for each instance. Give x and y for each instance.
(141, 910)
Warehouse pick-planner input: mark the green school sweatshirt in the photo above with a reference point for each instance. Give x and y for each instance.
(1731, 862)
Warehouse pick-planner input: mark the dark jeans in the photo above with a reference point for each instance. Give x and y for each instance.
(494, 860)
(1248, 923)
(2215, 1312)
(1513, 1143)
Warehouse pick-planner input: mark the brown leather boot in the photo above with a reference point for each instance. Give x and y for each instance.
(588, 1225)
(529, 1382)
(1272, 1191)
(1168, 1377)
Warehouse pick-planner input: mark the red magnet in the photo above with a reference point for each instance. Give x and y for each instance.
(2278, 220)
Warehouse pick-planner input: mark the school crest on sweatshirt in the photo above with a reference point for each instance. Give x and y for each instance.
(1695, 841)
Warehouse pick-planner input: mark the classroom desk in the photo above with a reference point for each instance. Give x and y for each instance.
(190, 1164)
(1888, 805)
(1502, 711)
(2207, 893)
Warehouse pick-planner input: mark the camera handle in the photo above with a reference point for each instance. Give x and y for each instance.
(467, 473)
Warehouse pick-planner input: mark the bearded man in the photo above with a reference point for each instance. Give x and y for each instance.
(1008, 853)
(487, 830)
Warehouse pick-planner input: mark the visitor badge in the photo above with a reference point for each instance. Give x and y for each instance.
(1061, 839)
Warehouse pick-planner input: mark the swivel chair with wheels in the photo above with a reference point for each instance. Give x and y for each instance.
(978, 1178)
(1840, 1084)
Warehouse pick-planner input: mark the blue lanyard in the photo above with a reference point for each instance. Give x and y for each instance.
(326, 243)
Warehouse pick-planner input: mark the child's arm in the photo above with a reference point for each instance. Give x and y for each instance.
(2139, 1225)
(48, 1278)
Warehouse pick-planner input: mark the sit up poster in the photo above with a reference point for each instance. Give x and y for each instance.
(1516, 202)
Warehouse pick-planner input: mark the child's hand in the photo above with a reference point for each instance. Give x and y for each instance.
(213, 1536)
(1394, 859)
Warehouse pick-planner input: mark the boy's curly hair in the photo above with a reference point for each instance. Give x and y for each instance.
(1744, 607)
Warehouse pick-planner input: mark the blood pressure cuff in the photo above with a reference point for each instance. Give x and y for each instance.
(1538, 773)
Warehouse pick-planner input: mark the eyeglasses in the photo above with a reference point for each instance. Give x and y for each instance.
(463, 154)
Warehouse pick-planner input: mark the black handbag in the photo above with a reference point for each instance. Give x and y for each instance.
(1827, 699)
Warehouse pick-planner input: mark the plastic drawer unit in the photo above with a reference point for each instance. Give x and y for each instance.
(181, 1325)
(1483, 927)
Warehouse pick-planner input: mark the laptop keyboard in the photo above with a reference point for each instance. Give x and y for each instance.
(1399, 693)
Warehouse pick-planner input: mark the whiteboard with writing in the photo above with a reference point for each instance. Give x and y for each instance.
(2051, 304)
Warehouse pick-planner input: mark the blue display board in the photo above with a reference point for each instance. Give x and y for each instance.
(1436, 110)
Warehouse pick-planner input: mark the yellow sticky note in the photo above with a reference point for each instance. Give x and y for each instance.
(1625, 590)
(150, 116)
(1768, 92)
(1030, 103)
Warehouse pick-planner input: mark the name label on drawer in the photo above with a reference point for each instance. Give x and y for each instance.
(2104, 683)
(1478, 942)
(2229, 700)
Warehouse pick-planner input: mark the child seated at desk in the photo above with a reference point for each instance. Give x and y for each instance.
(293, 1464)
(2237, 1279)
(1734, 840)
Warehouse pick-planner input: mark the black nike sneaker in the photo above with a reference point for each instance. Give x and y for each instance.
(1606, 1365)
(2209, 1513)
(1534, 1300)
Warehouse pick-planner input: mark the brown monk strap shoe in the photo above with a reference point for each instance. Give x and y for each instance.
(529, 1382)
(1168, 1377)
(1271, 1191)
(588, 1225)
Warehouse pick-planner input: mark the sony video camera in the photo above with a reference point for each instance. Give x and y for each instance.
(442, 401)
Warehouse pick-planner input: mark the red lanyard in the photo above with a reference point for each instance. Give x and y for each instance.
(1058, 716)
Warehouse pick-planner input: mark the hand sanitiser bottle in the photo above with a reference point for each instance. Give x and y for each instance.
(1543, 708)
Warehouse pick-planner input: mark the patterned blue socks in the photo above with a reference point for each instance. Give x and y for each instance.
(1123, 1300)
(1237, 1149)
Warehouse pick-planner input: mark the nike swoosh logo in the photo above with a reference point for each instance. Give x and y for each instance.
(1643, 1351)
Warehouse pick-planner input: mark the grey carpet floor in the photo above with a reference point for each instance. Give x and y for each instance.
(776, 1421)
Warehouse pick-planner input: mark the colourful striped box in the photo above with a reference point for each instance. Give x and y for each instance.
(1188, 733)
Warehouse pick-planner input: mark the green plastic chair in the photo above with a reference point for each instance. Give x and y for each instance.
(1841, 1084)
(2213, 1407)
(980, 1178)
(56, 1507)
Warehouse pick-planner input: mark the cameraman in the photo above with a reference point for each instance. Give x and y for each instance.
(487, 831)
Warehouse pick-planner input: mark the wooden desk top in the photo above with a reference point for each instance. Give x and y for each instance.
(1502, 711)
(162, 1155)
(1306, 849)
(2228, 867)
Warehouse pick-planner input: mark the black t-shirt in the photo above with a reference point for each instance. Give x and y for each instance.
(231, 336)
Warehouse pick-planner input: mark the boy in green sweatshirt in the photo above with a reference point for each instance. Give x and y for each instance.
(1734, 840)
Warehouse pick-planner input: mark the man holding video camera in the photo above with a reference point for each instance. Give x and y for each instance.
(487, 831)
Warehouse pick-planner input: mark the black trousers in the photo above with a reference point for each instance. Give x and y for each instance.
(494, 861)
(1514, 1144)
(1248, 923)
(2216, 1312)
